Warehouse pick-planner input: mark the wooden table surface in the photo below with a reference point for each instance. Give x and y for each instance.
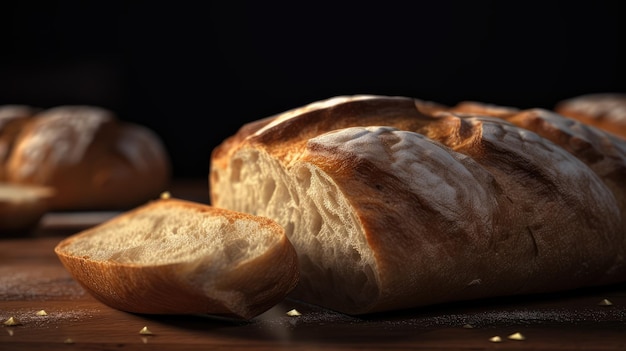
(32, 279)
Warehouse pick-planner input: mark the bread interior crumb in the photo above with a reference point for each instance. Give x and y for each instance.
(171, 234)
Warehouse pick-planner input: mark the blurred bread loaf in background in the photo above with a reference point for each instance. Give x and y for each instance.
(606, 111)
(89, 157)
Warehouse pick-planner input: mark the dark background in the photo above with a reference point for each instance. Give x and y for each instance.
(195, 71)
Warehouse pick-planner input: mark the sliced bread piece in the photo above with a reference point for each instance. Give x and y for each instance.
(173, 256)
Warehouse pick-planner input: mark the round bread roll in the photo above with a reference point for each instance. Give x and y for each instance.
(603, 110)
(93, 160)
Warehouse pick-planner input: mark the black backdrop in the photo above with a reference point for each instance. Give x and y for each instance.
(195, 71)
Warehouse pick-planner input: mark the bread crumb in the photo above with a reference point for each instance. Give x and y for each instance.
(145, 331)
(42, 313)
(475, 282)
(165, 195)
(517, 336)
(468, 326)
(10, 331)
(12, 321)
(605, 302)
(495, 339)
(68, 341)
(293, 313)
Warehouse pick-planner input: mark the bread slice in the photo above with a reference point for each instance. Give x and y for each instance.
(390, 206)
(22, 207)
(173, 256)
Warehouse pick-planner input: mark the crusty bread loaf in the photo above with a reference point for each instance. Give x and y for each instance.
(606, 111)
(172, 256)
(22, 206)
(91, 158)
(392, 203)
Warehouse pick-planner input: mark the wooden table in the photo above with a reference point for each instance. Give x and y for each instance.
(32, 279)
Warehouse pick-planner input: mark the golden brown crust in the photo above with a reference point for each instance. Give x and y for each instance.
(603, 152)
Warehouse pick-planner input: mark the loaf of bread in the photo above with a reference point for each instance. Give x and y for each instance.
(393, 202)
(93, 160)
(173, 256)
(603, 110)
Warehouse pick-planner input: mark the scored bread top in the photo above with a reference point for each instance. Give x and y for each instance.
(394, 151)
(604, 153)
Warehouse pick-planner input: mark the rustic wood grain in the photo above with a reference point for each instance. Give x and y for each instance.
(32, 279)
